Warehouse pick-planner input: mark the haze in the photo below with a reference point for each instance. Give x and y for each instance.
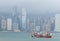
(34, 6)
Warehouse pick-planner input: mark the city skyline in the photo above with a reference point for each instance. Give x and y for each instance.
(21, 20)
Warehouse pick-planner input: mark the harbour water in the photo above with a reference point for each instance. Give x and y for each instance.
(18, 36)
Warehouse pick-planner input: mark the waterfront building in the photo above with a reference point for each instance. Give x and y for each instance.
(28, 25)
(57, 23)
(15, 25)
(9, 24)
(3, 24)
(24, 19)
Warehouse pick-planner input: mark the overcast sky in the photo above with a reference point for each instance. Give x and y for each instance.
(35, 5)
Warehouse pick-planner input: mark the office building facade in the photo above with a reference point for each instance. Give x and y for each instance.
(9, 24)
(3, 23)
(24, 19)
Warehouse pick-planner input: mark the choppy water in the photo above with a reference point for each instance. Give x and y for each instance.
(10, 36)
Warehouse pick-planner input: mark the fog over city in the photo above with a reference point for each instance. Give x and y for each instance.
(29, 20)
(28, 14)
(34, 6)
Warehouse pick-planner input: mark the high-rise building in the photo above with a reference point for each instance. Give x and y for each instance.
(24, 19)
(38, 20)
(9, 24)
(28, 25)
(37, 29)
(32, 28)
(3, 24)
(20, 21)
(43, 27)
(57, 23)
(38, 24)
(53, 23)
(41, 23)
(14, 11)
(48, 27)
(32, 25)
(15, 25)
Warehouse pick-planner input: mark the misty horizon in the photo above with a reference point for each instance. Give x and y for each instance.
(34, 6)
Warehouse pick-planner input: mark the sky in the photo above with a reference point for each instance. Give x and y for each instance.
(40, 6)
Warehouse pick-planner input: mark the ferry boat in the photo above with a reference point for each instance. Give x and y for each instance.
(41, 35)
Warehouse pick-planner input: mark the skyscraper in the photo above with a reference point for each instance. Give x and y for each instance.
(15, 26)
(57, 23)
(53, 18)
(32, 29)
(38, 24)
(28, 25)
(3, 24)
(24, 19)
(9, 24)
(32, 24)
(15, 23)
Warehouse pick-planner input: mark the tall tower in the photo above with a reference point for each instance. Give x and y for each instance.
(14, 10)
(57, 23)
(3, 24)
(9, 24)
(15, 23)
(38, 26)
(15, 26)
(32, 25)
(24, 19)
(28, 25)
